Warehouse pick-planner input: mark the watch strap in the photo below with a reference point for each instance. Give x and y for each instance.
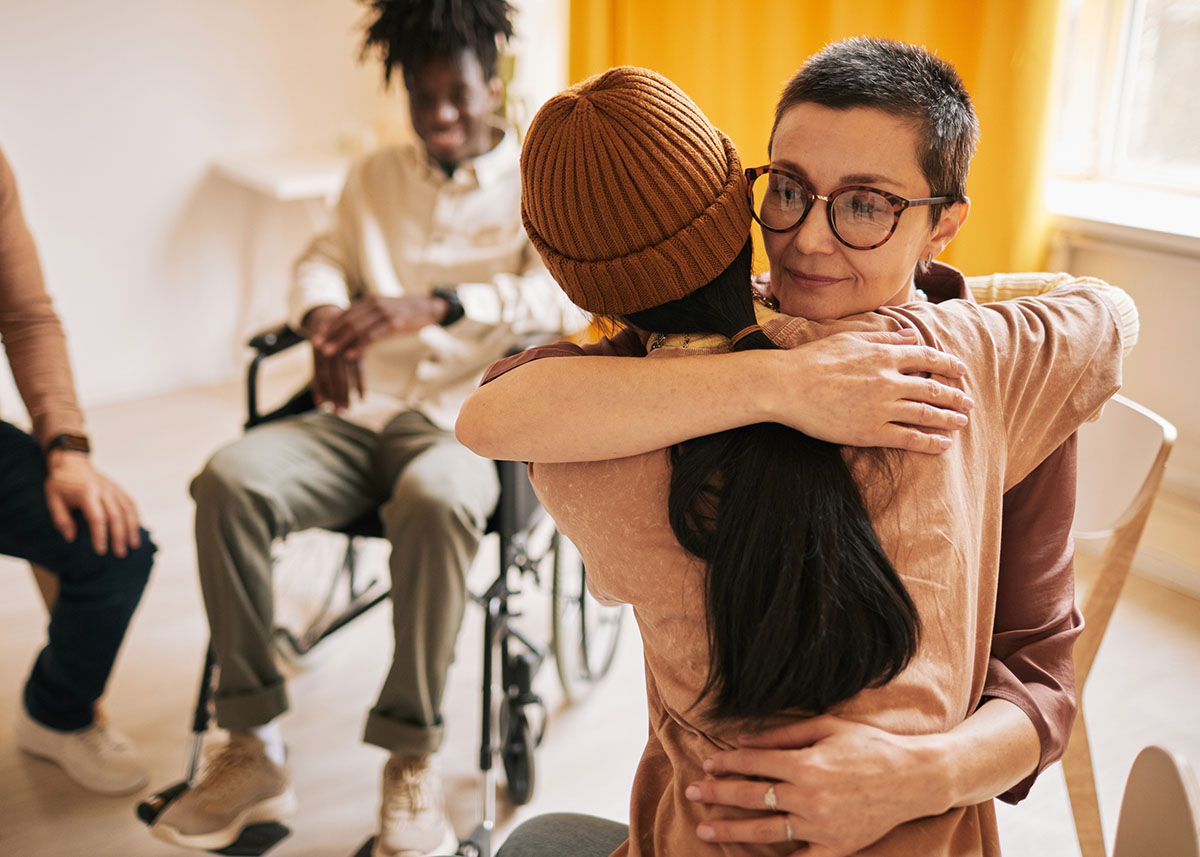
(455, 309)
(69, 442)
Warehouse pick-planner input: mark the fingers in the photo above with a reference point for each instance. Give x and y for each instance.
(330, 378)
(347, 330)
(927, 417)
(368, 334)
(747, 794)
(61, 515)
(903, 336)
(768, 764)
(769, 828)
(320, 376)
(801, 733)
(354, 373)
(118, 529)
(913, 440)
(335, 386)
(934, 392)
(94, 514)
(915, 359)
(920, 358)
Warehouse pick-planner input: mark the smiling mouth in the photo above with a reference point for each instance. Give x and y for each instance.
(448, 139)
(811, 281)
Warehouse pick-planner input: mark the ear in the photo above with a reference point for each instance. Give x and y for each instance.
(951, 220)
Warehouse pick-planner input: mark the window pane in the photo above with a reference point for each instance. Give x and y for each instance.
(1158, 132)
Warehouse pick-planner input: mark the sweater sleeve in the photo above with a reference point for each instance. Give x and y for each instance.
(1056, 359)
(626, 343)
(30, 329)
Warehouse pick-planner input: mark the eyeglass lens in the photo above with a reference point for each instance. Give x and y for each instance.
(861, 218)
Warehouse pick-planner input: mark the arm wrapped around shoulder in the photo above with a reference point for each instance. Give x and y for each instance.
(1002, 287)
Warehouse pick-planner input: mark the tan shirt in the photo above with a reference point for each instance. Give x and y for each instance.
(30, 329)
(403, 227)
(1038, 367)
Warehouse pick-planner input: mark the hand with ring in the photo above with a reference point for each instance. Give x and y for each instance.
(830, 785)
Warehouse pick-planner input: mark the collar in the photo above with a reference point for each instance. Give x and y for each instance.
(943, 283)
(483, 170)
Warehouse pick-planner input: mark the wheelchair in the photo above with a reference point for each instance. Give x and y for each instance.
(583, 633)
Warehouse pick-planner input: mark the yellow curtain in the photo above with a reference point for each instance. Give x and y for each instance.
(733, 59)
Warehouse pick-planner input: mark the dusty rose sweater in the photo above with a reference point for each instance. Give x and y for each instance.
(30, 329)
(1038, 367)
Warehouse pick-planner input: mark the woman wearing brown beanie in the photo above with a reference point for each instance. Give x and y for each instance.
(781, 581)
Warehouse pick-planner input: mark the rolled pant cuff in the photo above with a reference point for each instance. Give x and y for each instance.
(405, 739)
(245, 710)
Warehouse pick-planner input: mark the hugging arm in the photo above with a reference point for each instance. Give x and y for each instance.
(841, 785)
(863, 389)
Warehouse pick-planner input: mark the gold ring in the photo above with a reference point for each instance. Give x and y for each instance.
(769, 798)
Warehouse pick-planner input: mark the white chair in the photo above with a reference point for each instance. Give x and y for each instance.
(1160, 813)
(1121, 461)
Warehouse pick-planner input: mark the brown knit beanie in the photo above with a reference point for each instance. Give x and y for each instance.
(630, 195)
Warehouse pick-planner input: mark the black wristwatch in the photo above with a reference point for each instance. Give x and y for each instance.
(69, 442)
(454, 309)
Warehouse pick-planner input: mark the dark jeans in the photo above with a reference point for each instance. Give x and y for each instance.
(97, 594)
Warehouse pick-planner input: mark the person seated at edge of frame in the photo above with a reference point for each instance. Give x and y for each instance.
(728, 540)
(425, 278)
(58, 511)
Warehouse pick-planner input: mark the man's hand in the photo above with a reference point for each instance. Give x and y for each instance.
(871, 389)
(334, 376)
(837, 785)
(72, 483)
(372, 318)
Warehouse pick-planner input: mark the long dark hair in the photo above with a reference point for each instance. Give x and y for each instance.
(804, 608)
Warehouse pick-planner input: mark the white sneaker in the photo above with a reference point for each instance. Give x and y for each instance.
(98, 757)
(241, 786)
(412, 815)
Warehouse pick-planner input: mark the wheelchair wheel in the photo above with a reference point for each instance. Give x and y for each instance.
(313, 587)
(583, 632)
(517, 753)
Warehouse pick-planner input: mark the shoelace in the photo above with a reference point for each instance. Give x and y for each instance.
(104, 742)
(227, 772)
(406, 791)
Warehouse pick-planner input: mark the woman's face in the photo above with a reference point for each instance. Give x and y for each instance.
(813, 275)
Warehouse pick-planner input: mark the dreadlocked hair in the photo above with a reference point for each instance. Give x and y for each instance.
(804, 608)
(406, 32)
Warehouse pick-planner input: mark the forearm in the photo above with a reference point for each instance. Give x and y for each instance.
(29, 327)
(558, 410)
(985, 755)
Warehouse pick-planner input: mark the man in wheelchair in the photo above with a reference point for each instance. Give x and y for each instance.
(425, 279)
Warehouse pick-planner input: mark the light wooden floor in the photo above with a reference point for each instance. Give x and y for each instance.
(1145, 688)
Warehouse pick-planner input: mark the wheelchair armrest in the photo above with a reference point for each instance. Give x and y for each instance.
(274, 340)
(265, 344)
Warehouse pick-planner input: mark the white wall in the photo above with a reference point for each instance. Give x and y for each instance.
(112, 115)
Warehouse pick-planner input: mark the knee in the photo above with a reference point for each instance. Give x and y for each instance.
(223, 479)
(99, 575)
(420, 507)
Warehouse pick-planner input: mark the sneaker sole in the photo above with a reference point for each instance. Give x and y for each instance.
(448, 846)
(29, 743)
(272, 809)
